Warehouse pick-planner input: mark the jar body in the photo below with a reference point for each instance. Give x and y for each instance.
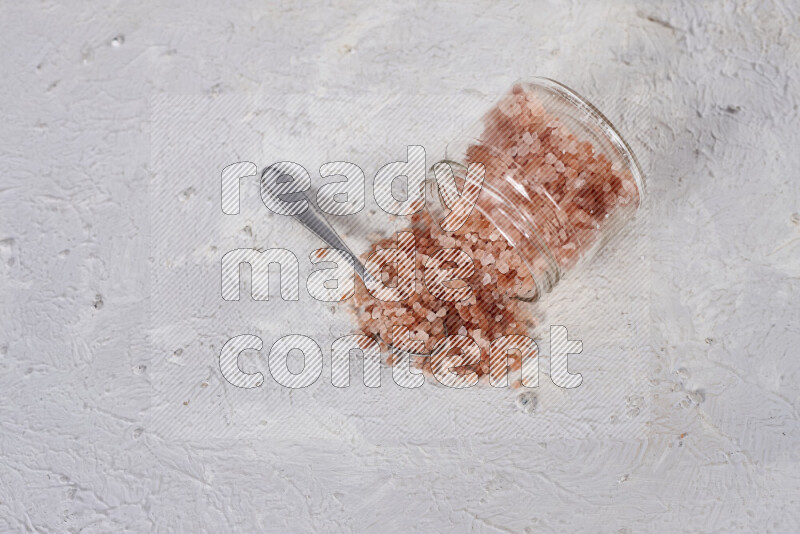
(559, 179)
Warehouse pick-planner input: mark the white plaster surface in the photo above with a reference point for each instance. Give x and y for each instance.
(709, 92)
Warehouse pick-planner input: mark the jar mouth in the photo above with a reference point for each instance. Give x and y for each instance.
(605, 125)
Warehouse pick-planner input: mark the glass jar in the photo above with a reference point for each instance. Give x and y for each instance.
(559, 178)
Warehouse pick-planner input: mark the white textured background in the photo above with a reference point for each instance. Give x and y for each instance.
(719, 86)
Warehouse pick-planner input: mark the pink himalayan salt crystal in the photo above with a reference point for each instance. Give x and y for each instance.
(422, 310)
